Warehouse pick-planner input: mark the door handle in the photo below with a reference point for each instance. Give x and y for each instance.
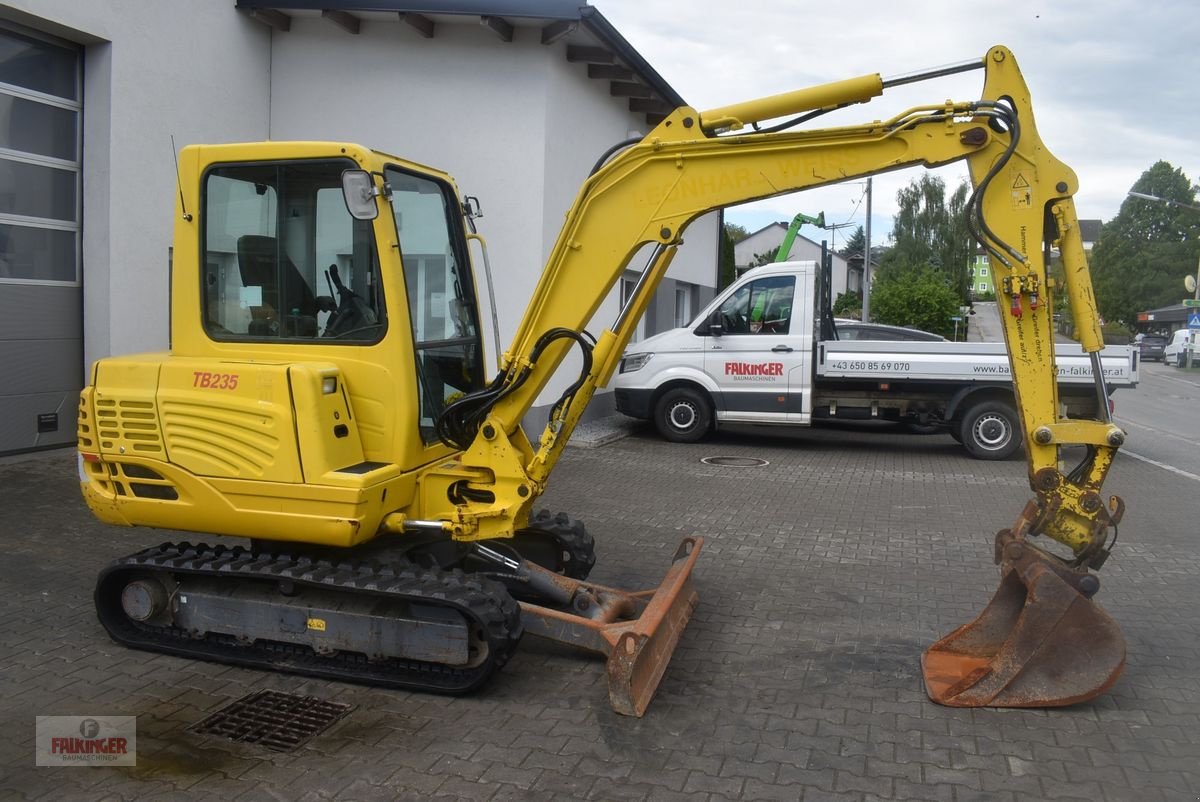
(782, 349)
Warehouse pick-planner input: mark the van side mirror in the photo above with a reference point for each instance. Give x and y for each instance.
(714, 327)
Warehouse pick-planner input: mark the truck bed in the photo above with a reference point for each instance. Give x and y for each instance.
(950, 361)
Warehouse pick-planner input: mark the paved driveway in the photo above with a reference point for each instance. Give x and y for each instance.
(824, 576)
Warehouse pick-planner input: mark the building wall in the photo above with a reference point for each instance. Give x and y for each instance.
(515, 123)
(150, 73)
(803, 249)
(981, 276)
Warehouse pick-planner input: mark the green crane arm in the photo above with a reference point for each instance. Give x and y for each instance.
(789, 239)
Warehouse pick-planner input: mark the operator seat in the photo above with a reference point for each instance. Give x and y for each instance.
(292, 305)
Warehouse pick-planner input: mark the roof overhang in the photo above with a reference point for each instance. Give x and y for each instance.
(590, 38)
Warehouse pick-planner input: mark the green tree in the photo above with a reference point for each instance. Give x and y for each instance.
(1146, 250)
(765, 258)
(855, 245)
(917, 296)
(848, 304)
(726, 270)
(735, 232)
(930, 230)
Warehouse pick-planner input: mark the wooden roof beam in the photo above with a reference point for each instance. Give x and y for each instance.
(419, 23)
(275, 19)
(499, 26)
(344, 20)
(630, 89)
(650, 105)
(609, 72)
(589, 55)
(557, 30)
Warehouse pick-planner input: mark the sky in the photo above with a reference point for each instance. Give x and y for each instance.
(1115, 84)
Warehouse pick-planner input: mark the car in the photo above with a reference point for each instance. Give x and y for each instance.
(1175, 353)
(1151, 346)
(857, 330)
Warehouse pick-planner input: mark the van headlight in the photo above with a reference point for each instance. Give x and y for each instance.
(632, 362)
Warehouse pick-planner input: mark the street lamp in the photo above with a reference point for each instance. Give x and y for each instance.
(1195, 284)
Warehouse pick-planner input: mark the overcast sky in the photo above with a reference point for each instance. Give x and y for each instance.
(1115, 83)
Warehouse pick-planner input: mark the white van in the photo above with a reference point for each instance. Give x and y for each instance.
(1176, 351)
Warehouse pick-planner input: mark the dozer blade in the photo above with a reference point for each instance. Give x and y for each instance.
(1040, 642)
(637, 631)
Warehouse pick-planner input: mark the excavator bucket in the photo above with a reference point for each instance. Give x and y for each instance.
(637, 631)
(1040, 642)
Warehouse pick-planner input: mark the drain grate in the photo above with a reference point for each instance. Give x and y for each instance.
(278, 721)
(735, 462)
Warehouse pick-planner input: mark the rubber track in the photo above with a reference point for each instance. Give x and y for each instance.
(482, 601)
(570, 535)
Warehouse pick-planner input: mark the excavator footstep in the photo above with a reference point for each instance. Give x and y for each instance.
(638, 643)
(1038, 643)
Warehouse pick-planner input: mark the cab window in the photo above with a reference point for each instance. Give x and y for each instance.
(441, 293)
(760, 307)
(284, 260)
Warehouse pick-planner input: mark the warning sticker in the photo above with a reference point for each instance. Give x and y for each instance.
(1022, 192)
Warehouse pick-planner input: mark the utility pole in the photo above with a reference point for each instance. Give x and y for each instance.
(866, 309)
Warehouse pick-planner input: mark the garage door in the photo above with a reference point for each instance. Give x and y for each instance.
(41, 317)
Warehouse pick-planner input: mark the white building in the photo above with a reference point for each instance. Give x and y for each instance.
(515, 98)
(769, 237)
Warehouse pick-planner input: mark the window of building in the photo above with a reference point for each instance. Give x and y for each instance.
(983, 259)
(982, 271)
(683, 305)
(40, 106)
(983, 287)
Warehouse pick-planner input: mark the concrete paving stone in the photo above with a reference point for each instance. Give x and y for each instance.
(737, 767)
(823, 577)
(821, 795)
(1172, 781)
(575, 785)
(450, 766)
(698, 781)
(462, 788)
(673, 779)
(1128, 759)
(924, 792)
(848, 781)
(621, 790)
(937, 775)
(1055, 789)
(886, 768)
(967, 795)
(806, 777)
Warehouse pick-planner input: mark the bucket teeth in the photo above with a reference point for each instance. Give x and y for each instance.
(1040, 642)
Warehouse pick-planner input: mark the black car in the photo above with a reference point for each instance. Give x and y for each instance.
(1151, 347)
(857, 330)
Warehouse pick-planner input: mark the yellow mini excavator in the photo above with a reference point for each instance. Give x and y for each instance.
(326, 397)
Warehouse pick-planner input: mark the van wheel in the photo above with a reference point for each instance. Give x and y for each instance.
(683, 415)
(990, 430)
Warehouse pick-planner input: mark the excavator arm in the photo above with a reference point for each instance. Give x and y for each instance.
(696, 162)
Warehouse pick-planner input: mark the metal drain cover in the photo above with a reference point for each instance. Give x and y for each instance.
(278, 721)
(735, 462)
